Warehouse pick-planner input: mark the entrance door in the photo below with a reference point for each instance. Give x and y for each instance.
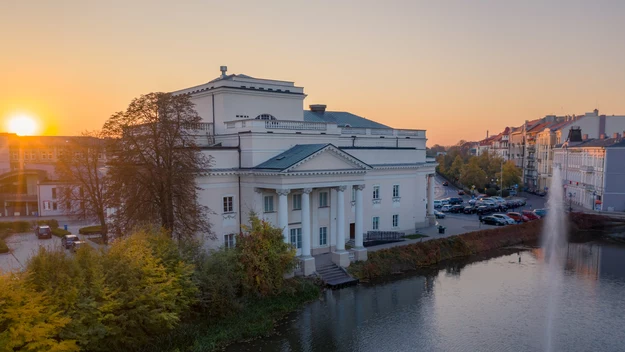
(352, 230)
(296, 239)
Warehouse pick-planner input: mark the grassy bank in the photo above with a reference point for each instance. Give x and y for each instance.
(256, 319)
(418, 255)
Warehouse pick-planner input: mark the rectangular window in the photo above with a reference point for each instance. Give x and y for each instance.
(54, 206)
(229, 241)
(53, 193)
(395, 191)
(15, 155)
(296, 238)
(323, 236)
(323, 199)
(44, 155)
(376, 192)
(268, 204)
(395, 220)
(26, 155)
(297, 202)
(376, 223)
(33, 155)
(46, 205)
(228, 204)
(353, 194)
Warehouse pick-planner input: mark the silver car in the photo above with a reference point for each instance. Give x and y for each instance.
(506, 218)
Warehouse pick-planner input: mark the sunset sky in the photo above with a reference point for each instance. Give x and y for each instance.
(454, 68)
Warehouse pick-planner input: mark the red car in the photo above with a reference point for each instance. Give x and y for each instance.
(518, 217)
(530, 215)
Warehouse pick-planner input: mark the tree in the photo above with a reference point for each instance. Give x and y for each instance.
(511, 174)
(456, 167)
(473, 175)
(153, 165)
(82, 168)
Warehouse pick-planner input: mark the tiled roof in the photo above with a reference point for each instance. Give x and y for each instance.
(341, 119)
(599, 143)
(291, 156)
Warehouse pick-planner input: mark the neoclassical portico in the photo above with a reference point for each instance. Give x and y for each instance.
(340, 256)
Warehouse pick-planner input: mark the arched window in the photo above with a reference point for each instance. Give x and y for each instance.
(265, 117)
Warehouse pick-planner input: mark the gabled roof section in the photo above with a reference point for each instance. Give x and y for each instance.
(301, 153)
(341, 118)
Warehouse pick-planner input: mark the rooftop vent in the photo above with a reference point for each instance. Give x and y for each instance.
(223, 70)
(318, 108)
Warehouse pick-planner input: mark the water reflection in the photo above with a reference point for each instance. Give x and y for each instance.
(491, 305)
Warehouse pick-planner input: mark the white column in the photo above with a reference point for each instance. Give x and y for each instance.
(430, 195)
(360, 252)
(340, 219)
(283, 213)
(306, 241)
(359, 216)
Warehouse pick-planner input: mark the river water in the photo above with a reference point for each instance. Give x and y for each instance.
(491, 303)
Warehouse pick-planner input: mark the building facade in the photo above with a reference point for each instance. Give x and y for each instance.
(323, 177)
(592, 173)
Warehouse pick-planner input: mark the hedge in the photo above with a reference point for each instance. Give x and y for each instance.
(60, 232)
(90, 230)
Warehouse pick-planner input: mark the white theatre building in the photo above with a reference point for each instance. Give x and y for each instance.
(324, 177)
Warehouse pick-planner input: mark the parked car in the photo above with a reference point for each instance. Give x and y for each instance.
(492, 220)
(472, 201)
(518, 217)
(438, 204)
(455, 200)
(469, 209)
(506, 218)
(43, 231)
(78, 244)
(456, 208)
(439, 214)
(445, 183)
(530, 215)
(483, 209)
(445, 208)
(460, 192)
(68, 241)
(445, 201)
(540, 212)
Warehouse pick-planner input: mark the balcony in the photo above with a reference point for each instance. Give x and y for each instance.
(531, 148)
(353, 131)
(200, 126)
(587, 168)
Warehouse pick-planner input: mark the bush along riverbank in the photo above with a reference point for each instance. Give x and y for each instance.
(395, 260)
(147, 292)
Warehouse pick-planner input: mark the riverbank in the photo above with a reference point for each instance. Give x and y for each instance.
(401, 259)
(256, 319)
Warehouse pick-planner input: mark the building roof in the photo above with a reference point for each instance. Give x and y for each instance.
(291, 156)
(599, 143)
(341, 118)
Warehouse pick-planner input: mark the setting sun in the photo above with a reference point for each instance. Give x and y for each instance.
(22, 125)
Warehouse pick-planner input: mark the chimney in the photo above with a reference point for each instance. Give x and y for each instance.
(602, 136)
(318, 108)
(585, 137)
(486, 134)
(223, 70)
(615, 135)
(596, 112)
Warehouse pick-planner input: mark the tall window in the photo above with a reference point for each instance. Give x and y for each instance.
(376, 192)
(323, 236)
(395, 191)
(395, 220)
(54, 193)
(228, 204)
(296, 237)
(376, 223)
(54, 206)
(353, 194)
(268, 204)
(297, 202)
(46, 205)
(323, 199)
(229, 241)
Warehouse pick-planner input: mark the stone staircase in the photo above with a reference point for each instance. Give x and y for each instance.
(335, 277)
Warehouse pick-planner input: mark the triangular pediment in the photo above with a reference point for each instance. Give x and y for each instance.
(328, 158)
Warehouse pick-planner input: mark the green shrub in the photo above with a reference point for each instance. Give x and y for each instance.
(16, 226)
(3, 246)
(491, 192)
(53, 223)
(218, 279)
(90, 230)
(505, 193)
(60, 232)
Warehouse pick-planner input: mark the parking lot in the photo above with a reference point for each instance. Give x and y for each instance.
(25, 245)
(457, 223)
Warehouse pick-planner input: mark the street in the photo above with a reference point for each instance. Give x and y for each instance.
(25, 245)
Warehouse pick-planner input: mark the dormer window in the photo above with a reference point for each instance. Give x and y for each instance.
(265, 117)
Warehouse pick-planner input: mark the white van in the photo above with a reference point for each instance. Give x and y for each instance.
(438, 204)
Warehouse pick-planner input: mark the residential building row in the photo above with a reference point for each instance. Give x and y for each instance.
(533, 145)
